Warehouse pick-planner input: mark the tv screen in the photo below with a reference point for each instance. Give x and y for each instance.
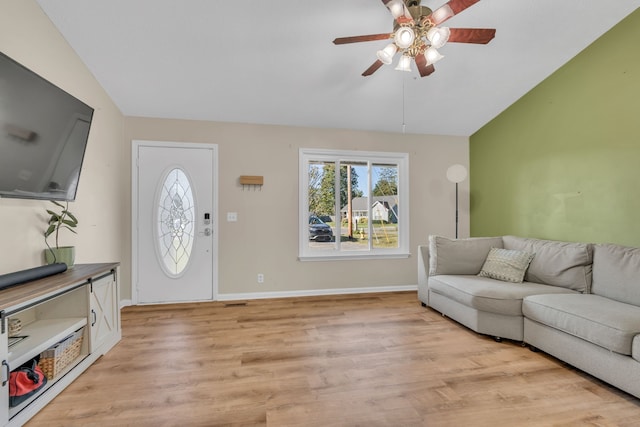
(43, 136)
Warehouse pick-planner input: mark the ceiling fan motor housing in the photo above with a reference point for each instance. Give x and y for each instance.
(419, 15)
(420, 26)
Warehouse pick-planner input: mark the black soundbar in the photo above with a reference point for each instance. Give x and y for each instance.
(30, 274)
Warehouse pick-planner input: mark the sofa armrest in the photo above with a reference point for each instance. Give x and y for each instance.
(423, 274)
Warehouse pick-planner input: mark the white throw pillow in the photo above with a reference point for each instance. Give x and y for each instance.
(506, 265)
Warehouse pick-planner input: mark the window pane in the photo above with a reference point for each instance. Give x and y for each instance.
(353, 206)
(384, 206)
(322, 205)
(175, 228)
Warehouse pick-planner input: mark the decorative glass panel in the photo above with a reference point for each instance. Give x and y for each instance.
(176, 222)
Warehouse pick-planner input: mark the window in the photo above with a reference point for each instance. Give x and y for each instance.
(353, 204)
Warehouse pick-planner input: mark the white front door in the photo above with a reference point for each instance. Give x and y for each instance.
(174, 222)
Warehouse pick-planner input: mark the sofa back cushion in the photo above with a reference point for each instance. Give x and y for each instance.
(459, 256)
(564, 264)
(616, 273)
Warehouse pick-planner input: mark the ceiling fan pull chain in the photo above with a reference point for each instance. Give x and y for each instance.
(403, 124)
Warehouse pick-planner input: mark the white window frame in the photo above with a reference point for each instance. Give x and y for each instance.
(306, 253)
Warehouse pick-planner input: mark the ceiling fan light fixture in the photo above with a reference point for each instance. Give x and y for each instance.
(404, 37)
(432, 55)
(386, 55)
(396, 7)
(404, 64)
(442, 14)
(417, 35)
(438, 36)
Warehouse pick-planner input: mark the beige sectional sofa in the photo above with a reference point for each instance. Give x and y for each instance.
(579, 302)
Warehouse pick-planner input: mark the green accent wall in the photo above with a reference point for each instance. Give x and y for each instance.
(563, 162)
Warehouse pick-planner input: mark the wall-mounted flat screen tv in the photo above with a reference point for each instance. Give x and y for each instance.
(43, 136)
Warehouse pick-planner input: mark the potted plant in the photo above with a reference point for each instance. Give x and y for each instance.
(58, 221)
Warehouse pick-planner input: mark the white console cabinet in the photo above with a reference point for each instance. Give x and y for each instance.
(83, 298)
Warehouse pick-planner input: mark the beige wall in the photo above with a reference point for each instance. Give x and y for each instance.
(265, 238)
(27, 35)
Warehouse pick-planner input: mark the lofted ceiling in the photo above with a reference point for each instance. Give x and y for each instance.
(273, 62)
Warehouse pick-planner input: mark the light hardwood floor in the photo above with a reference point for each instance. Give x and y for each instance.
(354, 360)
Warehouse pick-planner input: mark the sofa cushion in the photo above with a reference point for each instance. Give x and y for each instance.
(599, 320)
(635, 348)
(459, 256)
(616, 273)
(485, 294)
(556, 263)
(506, 265)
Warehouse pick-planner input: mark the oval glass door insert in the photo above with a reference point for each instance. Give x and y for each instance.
(176, 222)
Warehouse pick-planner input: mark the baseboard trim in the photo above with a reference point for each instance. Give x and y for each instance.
(314, 292)
(293, 294)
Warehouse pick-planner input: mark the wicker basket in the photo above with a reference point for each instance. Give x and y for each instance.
(15, 326)
(54, 359)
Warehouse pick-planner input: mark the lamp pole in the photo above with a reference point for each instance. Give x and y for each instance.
(456, 210)
(456, 174)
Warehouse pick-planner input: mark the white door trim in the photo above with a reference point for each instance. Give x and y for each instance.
(135, 144)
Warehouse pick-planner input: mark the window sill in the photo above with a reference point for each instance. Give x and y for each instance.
(354, 257)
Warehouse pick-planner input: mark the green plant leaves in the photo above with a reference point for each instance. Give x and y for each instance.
(50, 230)
(64, 219)
(70, 215)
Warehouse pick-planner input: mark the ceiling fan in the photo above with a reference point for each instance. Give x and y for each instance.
(417, 35)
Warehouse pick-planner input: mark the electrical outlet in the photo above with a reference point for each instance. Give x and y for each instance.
(260, 278)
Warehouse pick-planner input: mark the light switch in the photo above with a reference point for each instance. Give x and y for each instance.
(232, 216)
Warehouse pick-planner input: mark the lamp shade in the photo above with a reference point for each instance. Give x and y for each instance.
(456, 173)
(404, 64)
(396, 7)
(386, 55)
(432, 55)
(442, 14)
(438, 36)
(404, 37)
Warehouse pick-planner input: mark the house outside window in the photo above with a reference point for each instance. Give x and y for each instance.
(353, 204)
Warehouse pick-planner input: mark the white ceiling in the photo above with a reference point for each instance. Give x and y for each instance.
(273, 62)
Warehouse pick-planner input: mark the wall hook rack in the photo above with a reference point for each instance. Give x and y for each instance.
(251, 181)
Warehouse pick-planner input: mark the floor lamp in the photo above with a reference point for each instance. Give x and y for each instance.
(456, 174)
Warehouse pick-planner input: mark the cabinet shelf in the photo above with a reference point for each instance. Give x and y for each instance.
(42, 334)
(51, 309)
(16, 409)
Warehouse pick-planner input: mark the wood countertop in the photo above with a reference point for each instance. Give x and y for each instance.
(29, 291)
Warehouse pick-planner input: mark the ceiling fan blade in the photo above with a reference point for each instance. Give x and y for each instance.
(450, 9)
(364, 38)
(472, 35)
(399, 11)
(423, 68)
(373, 68)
